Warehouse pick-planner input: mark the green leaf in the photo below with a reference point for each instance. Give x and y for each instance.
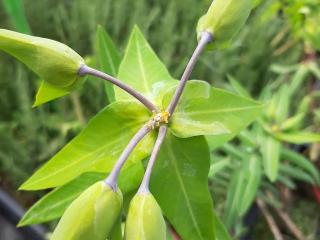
(97, 147)
(143, 70)
(270, 148)
(204, 110)
(108, 58)
(301, 162)
(295, 173)
(220, 229)
(53, 205)
(298, 137)
(47, 93)
(293, 122)
(53, 61)
(242, 189)
(16, 12)
(238, 87)
(282, 104)
(218, 166)
(180, 185)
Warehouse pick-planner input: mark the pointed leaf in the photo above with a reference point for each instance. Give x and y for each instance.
(53, 61)
(298, 137)
(302, 162)
(271, 156)
(142, 69)
(242, 189)
(47, 93)
(238, 87)
(108, 58)
(16, 11)
(97, 147)
(203, 110)
(180, 185)
(53, 205)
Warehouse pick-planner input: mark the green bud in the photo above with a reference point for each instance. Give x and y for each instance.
(53, 61)
(224, 19)
(145, 220)
(91, 216)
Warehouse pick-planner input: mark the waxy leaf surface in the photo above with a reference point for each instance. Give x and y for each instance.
(204, 110)
(143, 70)
(97, 147)
(53, 205)
(180, 184)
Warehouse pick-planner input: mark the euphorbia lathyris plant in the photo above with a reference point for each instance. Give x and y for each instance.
(152, 115)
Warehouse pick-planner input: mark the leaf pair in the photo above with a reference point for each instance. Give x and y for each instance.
(183, 164)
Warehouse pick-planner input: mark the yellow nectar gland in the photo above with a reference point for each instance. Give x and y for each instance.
(159, 118)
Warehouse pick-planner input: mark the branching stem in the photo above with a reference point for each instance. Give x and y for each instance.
(86, 70)
(144, 187)
(112, 179)
(206, 38)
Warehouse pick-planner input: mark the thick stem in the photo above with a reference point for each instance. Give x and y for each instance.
(144, 187)
(86, 70)
(206, 37)
(112, 179)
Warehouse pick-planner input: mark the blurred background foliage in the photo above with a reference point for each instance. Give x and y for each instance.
(280, 37)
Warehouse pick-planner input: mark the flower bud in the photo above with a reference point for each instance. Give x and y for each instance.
(224, 19)
(53, 61)
(145, 220)
(91, 216)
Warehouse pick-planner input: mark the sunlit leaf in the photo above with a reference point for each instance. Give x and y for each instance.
(180, 185)
(204, 110)
(97, 147)
(108, 57)
(143, 70)
(271, 156)
(298, 137)
(53, 205)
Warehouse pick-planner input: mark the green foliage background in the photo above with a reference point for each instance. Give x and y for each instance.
(274, 35)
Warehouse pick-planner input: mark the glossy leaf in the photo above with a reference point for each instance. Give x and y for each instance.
(204, 110)
(97, 147)
(180, 185)
(298, 137)
(108, 57)
(143, 70)
(53, 61)
(271, 156)
(53, 205)
(47, 93)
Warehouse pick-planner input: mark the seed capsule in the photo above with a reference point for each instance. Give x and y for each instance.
(224, 19)
(53, 61)
(91, 216)
(145, 220)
